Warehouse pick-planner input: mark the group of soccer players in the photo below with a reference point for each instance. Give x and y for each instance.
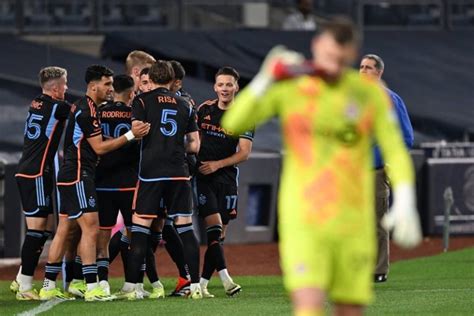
(135, 143)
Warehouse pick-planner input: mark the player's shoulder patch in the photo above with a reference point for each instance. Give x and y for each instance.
(207, 103)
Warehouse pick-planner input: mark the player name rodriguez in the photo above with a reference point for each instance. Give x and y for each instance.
(116, 114)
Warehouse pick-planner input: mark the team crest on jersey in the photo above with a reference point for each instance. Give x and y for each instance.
(91, 201)
(352, 111)
(207, 117)
(202, 199)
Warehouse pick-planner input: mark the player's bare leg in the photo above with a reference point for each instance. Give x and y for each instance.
(308, 301)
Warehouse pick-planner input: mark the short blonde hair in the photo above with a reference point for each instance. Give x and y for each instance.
(51, 73)
(138, 58)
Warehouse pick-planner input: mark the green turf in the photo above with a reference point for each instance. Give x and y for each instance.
(441, 285)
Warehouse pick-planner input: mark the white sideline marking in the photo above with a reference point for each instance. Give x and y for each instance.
(427, 290)
(43, 307)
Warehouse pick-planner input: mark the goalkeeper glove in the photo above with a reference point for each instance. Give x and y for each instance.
(277, 59)
(403, 217)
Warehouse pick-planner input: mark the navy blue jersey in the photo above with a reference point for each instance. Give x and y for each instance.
(216, 142)
(119, 168)
(162, 155)
(43, 128)
(80, 159)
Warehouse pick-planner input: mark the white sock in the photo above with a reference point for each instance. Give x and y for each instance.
(25, 282)
(104, 283)
(18, 274)
(91, 286)
(128, 287)
(48, 284)
(204, 282)
(195, 286)
(157, 284)
(225, 277)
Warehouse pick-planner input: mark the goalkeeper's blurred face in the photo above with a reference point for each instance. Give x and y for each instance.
(330, 56)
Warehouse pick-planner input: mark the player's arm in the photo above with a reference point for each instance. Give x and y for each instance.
(243, 152)
(403, 217)
(101, 146)
(192, 142)
(260, 100)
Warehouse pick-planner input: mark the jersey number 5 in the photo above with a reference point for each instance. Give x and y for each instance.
(32, 126)
(170, 125)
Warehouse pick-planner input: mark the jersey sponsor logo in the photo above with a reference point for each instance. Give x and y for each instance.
(36, 104)
(116, 114)
(215, 128)
(166, 99)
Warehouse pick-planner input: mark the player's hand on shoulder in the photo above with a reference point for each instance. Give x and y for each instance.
(140, 129)
(403, 218)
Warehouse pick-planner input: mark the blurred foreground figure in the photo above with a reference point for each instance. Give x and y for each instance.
(326, 210)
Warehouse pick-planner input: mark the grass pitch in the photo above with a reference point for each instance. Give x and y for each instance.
(439, 285)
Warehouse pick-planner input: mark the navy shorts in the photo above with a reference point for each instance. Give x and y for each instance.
(151, 198)
(110, 203)
(35, 194)
(78, 198)
(214, 197)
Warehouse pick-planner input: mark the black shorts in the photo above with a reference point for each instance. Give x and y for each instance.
(78, 198)
(110, 203)
(151, 197)
(214, 197)
(35, 194)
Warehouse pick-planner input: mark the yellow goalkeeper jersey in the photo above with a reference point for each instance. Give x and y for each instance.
(328, 131)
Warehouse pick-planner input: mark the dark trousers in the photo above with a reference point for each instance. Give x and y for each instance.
(382, 192)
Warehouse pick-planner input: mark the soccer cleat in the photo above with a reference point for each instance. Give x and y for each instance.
(77, 288)
(206, 294)
(182, 287)
(29, 295)
(55, 293)
(97, 294)
(105, 285)
(196, 294)
(140, 289)
(131, 296)
(379, 278)
(14, 286)
(158, 292)
(232, 289)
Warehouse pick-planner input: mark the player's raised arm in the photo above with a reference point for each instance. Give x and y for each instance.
(403, 217)
(258, 101)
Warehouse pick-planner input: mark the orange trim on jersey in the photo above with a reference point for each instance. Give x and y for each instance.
(144, 216)
(78, 177)
(42, 160)
(126, 189)
(207, 102)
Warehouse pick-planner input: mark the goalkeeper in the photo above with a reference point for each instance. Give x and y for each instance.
(326, 213)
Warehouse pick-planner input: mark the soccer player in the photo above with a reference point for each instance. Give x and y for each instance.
(177, 85)
(373, 67)
(76, 181)
(326, 215)
(135, 62)
(145, 84)
(217, 179)
(116, 174)
(163, 174)
(43, 129)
